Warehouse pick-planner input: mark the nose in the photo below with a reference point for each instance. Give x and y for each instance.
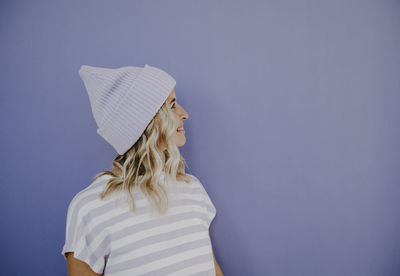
(184, 115)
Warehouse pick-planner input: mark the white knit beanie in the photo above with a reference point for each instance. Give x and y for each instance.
(124, 100)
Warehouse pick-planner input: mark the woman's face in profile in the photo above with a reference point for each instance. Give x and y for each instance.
(180, 114)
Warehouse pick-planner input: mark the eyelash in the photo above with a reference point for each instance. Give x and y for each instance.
(173, 105)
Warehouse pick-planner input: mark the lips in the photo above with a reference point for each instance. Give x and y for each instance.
(180, 128)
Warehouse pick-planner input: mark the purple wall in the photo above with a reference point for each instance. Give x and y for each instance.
(293, 130)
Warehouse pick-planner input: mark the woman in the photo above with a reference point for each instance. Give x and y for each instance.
(145, 216)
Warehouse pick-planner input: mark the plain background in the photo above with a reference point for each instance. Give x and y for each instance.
(293, 130)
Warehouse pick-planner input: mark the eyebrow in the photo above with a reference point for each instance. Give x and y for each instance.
(172, 100)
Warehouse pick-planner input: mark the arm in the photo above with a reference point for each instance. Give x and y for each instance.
(218, 270)
(77, 267)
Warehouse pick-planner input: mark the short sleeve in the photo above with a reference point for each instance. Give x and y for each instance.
(80, 239)
(211, 211)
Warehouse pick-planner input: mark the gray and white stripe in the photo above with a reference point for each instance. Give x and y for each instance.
(110, 238)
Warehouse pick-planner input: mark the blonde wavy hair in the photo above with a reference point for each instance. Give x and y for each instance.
(148, 160)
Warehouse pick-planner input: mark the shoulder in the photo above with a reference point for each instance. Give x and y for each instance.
(87, 197)
(197, 183)
(194, 179)
(208, 204)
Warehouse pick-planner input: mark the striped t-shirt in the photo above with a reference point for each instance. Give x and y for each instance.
(115, 241)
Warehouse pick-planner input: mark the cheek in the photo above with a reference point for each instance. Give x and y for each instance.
(176, 116)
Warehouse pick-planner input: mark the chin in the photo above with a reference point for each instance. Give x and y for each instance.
(180, 141)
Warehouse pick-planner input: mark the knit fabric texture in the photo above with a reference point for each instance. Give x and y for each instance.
(124, 100)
